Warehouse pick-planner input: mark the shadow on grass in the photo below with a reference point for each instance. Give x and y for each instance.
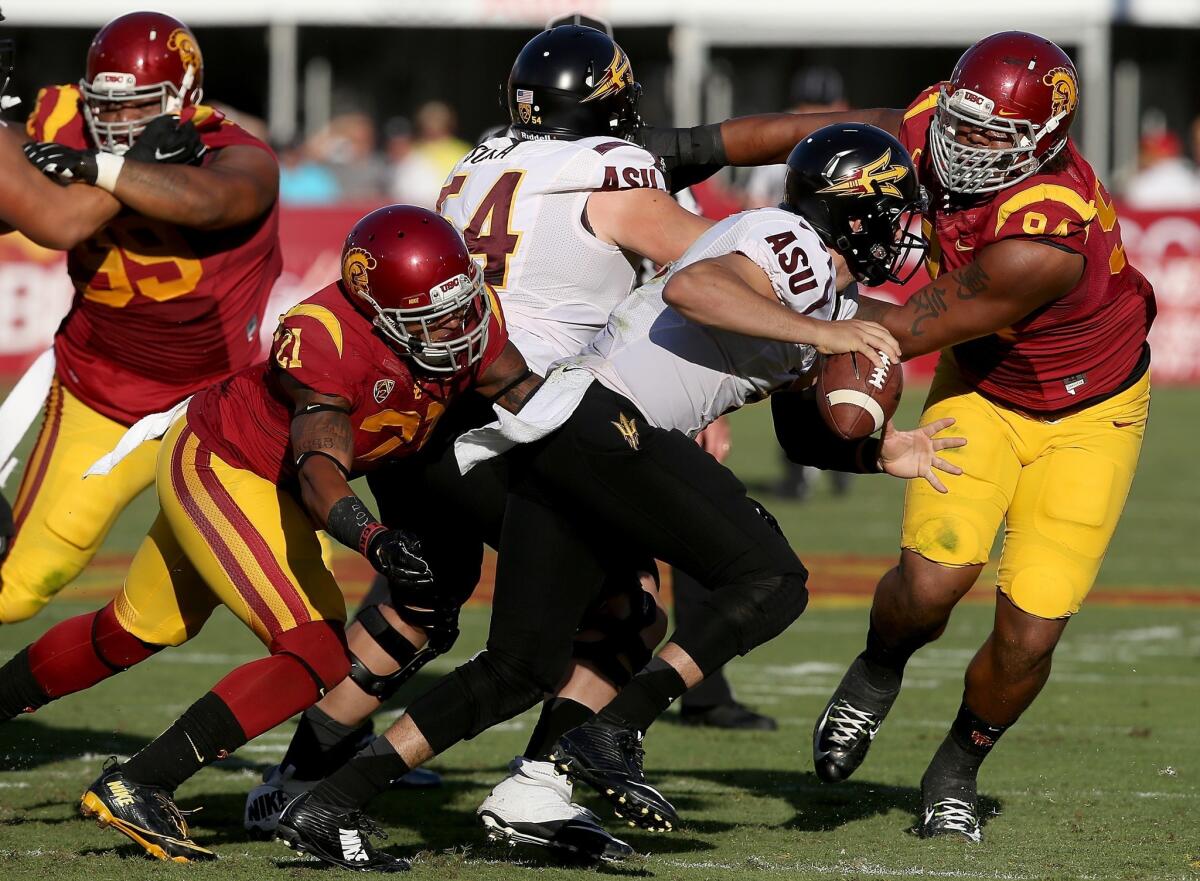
(819, 807)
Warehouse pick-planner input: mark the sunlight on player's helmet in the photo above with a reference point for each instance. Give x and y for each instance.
(1004, 113)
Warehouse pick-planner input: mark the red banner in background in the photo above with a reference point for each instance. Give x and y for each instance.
(35, 292)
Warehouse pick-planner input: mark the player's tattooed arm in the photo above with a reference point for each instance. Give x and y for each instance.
(1008, 280)
(508, 381)
(322, 446)
(768, 138)
(871, 309)
(240, 184)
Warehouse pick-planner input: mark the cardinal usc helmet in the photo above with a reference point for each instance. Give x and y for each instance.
(573, 82)
(857, 188)
(135, 59)
(408, 269)
(1021, 92)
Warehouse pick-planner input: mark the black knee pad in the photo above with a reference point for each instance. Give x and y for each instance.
(621, 640)
(485, 691)
(743, 616)
(399, 649)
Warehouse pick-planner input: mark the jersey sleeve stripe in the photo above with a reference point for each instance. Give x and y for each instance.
(495, 306)
(916, 109)
(64, 111)
(1045, 193)
(326, 318)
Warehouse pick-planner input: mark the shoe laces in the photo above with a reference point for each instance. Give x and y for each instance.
(177, 815)
(366, 826)
(956, 815)
(847, 724)
(631, 745)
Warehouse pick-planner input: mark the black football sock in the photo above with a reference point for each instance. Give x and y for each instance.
(559, 715)
(19, 690)
(206, 732)
(367, 774)
(968, 743)
(883, 665)
(322, 744)
(646, 697)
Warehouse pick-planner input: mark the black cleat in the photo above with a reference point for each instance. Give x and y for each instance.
(950, 815)
(732, 716)
(335, 835)
(844, 732)
(609, 760)
(146, 814)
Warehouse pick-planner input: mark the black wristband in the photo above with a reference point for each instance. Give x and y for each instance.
(351, 522)
(525, 374)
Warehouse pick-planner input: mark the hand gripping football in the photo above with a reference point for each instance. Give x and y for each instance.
(856, 397)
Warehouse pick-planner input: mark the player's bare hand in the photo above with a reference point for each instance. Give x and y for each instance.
(852, 335)
(913, 454)
(716, 439)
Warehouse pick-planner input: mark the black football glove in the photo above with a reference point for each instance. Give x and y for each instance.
(164, 140)
(6, 527)
(62, 164)
(396, 555)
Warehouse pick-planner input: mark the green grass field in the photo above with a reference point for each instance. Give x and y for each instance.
(1100, 780)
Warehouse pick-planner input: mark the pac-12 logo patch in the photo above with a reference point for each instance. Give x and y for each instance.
(383, 388)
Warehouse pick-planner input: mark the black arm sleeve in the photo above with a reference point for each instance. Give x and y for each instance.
(807, 440)
(689, 155)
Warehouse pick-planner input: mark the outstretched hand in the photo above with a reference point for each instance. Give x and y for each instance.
(912, 454)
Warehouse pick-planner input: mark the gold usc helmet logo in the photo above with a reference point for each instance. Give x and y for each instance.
(878, 173)
(1064, 93)
(616, 76)
(356, 268)
(189, 53)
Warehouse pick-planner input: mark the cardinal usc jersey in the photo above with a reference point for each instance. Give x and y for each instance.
(1079, 348)
(520, 206)
(326, 344)
(683, 375)
(160, 311)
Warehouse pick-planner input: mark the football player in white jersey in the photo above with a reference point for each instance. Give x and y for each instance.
(605, 460)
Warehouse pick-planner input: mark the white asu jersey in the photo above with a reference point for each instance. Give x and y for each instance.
(683, 375)
(520, 206)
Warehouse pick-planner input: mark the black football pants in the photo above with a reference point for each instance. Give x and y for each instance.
(605, 480)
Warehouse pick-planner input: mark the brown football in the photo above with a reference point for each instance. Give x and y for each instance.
(856, 397)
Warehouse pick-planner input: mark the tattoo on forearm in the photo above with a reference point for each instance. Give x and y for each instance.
(929, 304)
(163, 180)
(933, 303)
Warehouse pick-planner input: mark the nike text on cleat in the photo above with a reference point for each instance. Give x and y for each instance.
(144, 814)
(533, 806)
(609, 760)
(266, 801)
(845, 730)
(335, 835)
(951, 816)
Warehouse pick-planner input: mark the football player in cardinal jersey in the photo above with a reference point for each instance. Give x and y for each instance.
(359, 374)
(174, 248)
(1042, 323)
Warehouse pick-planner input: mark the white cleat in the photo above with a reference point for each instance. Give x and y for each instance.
(533, 806)
(266, 801)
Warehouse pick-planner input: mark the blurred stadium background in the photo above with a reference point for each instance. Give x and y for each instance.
(370, 101)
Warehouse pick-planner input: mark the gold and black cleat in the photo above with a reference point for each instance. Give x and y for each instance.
(146, 814)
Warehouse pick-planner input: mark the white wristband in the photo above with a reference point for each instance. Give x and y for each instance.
(108, 169)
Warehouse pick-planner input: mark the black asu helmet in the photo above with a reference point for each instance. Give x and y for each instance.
(857, 187)
(573, 82)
